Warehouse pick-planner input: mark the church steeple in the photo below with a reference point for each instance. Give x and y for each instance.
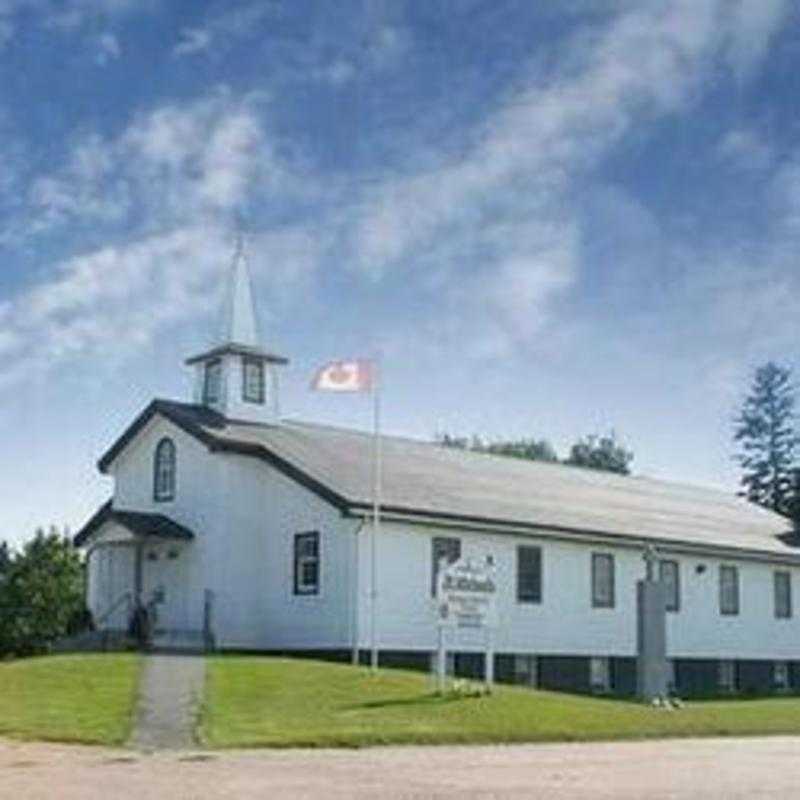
(239, 320)
(237, 377)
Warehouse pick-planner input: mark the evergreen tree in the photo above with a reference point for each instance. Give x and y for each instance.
(5, 559)
(765, 431)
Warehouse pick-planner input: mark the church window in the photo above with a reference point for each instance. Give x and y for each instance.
(783, 595)
(669, 574)
(212, 384)
(529, 574)
(728, 590)
(602, 580)
(306, 563)
(164, 471)
(252, 380)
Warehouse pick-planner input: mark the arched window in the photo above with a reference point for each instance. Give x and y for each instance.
(164, 471)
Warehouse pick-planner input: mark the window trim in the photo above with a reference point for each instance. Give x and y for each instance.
(435, 561)
(601, 664)
(208, 399)
(164, 495)
(300, 588)
(260, 397)
(598, 602)
(785, 685)
(782, 573)
(532, 598)
(670, 607)
(732, 611)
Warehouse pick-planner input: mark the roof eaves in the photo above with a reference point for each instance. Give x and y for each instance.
(155, 407)
(421, 516)
(96, 520)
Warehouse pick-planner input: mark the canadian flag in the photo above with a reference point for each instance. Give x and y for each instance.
(356, 375)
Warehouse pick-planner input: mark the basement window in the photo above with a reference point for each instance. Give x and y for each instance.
(526, 670)
(726, 677)
(780, 675)
(600, 675)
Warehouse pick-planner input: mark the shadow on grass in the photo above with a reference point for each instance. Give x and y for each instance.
(419, 700)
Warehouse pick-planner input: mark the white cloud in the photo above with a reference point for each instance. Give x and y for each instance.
(528, 156)
(172, 165)
(108, 48)
(338, 72)
(6, 32)
(67, 16)
(745, 149)
(220, 30)
(193, 40)
(117, 298)
(752, 24)
(387, 45)
(113, 298)
(507, 206)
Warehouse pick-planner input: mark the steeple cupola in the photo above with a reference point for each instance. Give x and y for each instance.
(237, 377)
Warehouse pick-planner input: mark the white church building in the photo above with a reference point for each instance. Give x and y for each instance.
(248, 532)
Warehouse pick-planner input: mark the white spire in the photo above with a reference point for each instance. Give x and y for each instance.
(240, 324)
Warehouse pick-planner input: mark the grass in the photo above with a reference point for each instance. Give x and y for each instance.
(272, 702)
(71, 698)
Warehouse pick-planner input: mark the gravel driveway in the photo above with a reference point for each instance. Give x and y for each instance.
(708, 768)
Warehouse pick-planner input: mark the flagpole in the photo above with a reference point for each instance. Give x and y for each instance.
(376, 509)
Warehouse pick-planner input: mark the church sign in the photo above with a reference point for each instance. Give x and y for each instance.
(466, 594)
(465, 598)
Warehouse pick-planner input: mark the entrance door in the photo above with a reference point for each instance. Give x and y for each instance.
(165, 581)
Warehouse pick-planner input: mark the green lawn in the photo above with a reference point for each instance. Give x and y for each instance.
(259, 701)
(70, 698)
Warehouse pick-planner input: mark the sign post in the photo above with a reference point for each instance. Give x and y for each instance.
(465, 598)
(488, 670)
(441, 662)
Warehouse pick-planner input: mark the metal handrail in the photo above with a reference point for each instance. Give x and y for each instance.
(127, 596)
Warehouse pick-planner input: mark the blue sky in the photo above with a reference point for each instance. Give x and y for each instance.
(553, 219)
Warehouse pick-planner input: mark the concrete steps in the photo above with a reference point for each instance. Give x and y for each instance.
(95, 642)
(178, 641)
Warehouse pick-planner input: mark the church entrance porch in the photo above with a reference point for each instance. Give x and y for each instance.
(139, 568)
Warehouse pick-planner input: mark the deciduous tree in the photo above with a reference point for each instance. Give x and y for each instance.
(604, 453)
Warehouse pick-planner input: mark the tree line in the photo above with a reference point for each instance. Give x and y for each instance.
(766, 438)
(601, 452)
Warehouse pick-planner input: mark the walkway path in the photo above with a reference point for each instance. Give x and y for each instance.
(170, 693)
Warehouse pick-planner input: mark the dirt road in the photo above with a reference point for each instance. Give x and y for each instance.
(710, 768)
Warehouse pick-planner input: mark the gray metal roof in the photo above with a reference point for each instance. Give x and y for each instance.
(141, 524)
(426, 478)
